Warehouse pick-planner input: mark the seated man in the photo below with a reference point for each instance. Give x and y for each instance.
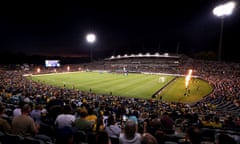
(82, 124)
(130, 135)
(66, 118)
(24, 125)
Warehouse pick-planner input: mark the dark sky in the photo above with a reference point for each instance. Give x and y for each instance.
(59, 27)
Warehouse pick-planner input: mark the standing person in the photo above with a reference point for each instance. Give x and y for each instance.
(130, 136)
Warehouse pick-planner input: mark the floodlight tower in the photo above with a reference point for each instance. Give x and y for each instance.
(91, 38)
(222, 11)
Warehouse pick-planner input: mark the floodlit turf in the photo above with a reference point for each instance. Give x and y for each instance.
(132, 85)
(177, 91)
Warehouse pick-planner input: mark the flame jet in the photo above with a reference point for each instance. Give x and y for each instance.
(188, 77)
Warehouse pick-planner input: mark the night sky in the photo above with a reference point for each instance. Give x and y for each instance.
(122, 27)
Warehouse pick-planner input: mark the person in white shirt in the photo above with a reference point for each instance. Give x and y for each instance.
(18, 110)
(65, 119)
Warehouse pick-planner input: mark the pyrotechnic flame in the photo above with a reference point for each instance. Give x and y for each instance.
(188, 77)
(38, 70)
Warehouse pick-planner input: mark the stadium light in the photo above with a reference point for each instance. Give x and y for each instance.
(221, 11)
(91, 38)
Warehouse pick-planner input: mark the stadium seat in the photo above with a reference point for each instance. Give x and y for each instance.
(29, 140)
(114, 140)
(91, 136)
(170, 142)
(208, 134)
(80, 137)
(12, 139)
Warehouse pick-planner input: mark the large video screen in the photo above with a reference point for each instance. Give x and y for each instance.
(52, 63)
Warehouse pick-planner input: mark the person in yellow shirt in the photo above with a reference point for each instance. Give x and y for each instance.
(91, 117)
(207, 122)
(217, 123)
(99, 125)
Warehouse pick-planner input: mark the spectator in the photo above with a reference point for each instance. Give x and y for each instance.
(130, 136)
(167, 123)
(4, 125)
(112, 128)
(206, 122)
(194, 135)
(147, 138)
(81, 123)
(217, 123)
(18, 110)
(91, 116)
(134, 117)
(36, 113)
(24, 125)
(100, 124)
(65, 119)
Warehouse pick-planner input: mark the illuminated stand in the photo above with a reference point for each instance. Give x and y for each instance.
(187, 79)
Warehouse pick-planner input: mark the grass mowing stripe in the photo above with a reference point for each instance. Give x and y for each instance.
(133, 87)
(120, 85)
(152, 86)
(130, 82)
(109, 80)
(138, 88)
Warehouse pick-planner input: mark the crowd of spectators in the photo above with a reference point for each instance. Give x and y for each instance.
(61, 115)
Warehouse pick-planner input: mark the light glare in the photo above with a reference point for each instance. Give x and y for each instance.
(91, 38)
(224, 9)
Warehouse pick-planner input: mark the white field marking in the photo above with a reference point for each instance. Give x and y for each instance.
(49, 73)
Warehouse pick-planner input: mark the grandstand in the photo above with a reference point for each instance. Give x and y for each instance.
(140, 63)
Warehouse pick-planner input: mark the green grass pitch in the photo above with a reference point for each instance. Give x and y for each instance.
(131, 85)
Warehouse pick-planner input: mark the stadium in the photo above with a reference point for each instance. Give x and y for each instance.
(116, 72)
(144, 86)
